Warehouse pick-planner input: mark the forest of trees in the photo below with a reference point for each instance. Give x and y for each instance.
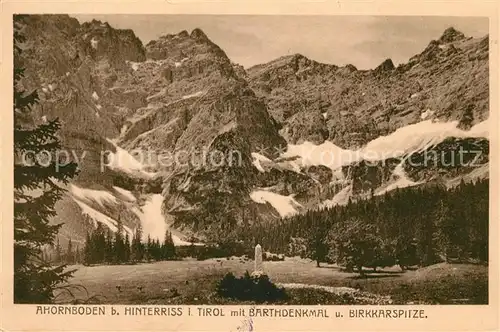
(105, 247)
(410, 226)
(55, 254)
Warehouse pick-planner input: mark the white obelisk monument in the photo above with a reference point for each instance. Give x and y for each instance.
(258, 261)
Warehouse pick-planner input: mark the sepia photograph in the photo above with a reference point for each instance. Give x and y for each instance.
(250, 160)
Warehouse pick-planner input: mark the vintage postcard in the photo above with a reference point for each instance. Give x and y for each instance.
(240, 167)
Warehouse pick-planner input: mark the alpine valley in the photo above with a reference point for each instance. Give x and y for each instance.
(309, 135)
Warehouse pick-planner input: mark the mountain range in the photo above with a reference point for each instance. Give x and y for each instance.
(305, 135)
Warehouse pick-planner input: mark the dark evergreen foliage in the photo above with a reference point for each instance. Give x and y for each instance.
(36, 190)
(117, 248)
(250, 288)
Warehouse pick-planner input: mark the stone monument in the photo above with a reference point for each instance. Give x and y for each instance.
(258, 270)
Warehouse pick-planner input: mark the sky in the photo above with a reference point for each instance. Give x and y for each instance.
(363, 41)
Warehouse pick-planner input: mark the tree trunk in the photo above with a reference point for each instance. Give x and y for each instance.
(317, 263)
(360, 270)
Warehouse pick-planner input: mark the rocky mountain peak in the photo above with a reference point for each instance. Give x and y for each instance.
(100, 40)
(51, 23)
(298, 57)
(183, 46)
(351, 68)
(95, 24)
(198, 34)
(183, 34)
(386, 65)
(451, 35)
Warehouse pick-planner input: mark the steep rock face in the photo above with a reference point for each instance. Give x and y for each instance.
(63, 76)
(101, 41)
(185, 77)
(451, 35)
(306, 126)
(367, 176)
(157, 126)
(448, 160)
(232, 106)
(217, 175)
(384, 67)
(69, 65)
(209, 122)
(179, 65)
(448, 75)
(210, 193)
(186, 49)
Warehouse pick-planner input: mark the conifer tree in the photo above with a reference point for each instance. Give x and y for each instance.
(78, 259)
(317, 242)
(58, 251)
(109, 250)
(36, 190)
(148, 251)
(88, 257)
(157, 250)
(99, 243)
(427, 236)
(126, 255)
(168, 247)
(69, 253)
(137, 246)
(119, 245)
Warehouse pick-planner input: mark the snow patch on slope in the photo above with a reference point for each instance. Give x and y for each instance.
(196, 94)
(285, 205)
(93, 43)
(411, 138)
(125, 193)
(124, 161)
(257, 159)
(477, 173)
(90, 195)
(326, 154)
(133, 65)
(341, 198)
(179, 63)
(123, 129)
(153, 222)
(480, 130)
(97, 216)
(426, 114)
(402, 181)
(417, 137)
